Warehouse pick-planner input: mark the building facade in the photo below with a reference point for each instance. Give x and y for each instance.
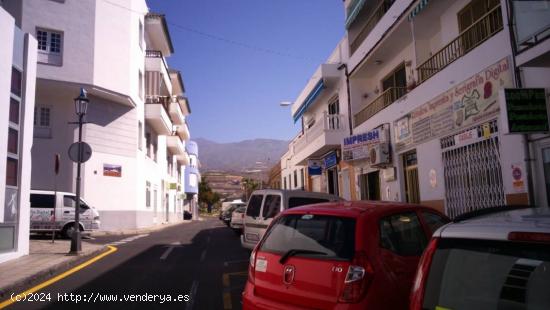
(17, 88)
(192, 178)
(426, 81)
(136, 120)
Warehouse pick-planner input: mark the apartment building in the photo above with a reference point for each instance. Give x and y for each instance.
(322, 107)
(425, 78)
(17, 87)
(192, 178)
(136, 119)
(531, 39)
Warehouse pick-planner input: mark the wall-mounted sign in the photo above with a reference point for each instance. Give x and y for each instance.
(526, 110)
(330, 160)
(112, 170)
(314, 167)
(472, 101)
(359, 146)
(433, 178)
(518, 182)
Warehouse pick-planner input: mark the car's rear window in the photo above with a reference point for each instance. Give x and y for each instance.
(476, 274)
(302, 201)
(331, 235)
(254, 205)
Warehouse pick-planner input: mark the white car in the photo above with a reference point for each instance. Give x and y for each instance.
(54, 211)
(237, 219)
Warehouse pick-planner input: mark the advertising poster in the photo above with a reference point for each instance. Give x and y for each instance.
(470, 102)
(112, 170)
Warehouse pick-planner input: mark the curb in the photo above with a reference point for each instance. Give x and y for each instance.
(21, 285)
(137, 231)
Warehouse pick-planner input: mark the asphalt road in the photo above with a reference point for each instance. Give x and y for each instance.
(197, 265)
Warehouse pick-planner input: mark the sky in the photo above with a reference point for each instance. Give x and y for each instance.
(240, 58)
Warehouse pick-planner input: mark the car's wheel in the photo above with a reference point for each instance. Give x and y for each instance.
(68, 230)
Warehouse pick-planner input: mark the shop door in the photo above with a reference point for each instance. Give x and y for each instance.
(370, 186)
(332, 181)
(473, 176)
(412, 189)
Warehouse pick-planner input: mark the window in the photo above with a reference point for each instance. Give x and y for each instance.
(433, 221)
(193, 180)
(42, 201)
(42, 121)
(148, 144)
(49, 41)
(13, 140)
(302, 201)
(140, 85)
(14, 111)
(16, 82)
(302, 178)
(398, 78)
(402, 234)
(284, 182)
(140, 34)
(50, 46)
(272, 206)
(148, 194)
(140, 135)
(295, 179)
(70, 201)
(332, 237)
(12, 161)
(11, 171)
(254, 206)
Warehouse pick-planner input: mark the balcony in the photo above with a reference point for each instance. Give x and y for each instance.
(175, 145)
(320, 138)
(183, 159)
(176, 114)
(157, 76)
(372, 20)
(183, 131)
(158, 36)
(486, 27)
(385, 99)
(156, 114)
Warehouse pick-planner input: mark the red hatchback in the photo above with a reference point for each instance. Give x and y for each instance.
(344, 255)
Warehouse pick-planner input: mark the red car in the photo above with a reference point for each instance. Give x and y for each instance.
(343, 255)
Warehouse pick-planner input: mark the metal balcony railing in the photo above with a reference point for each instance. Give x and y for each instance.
(162, 100)
(329, 123)
(486, 27)
(374, 18)
(385, 99)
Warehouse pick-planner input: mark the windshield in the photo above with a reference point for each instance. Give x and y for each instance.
(477, 274)
(321, 236)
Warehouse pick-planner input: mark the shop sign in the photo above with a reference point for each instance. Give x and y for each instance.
(314, 167)
(358, 146)
(517, 178)
(526, 110)
(472, 101)
(330, 160)
(466, 137)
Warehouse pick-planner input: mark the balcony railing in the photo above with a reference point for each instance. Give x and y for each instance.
(329, 123)
(157, 54)
(486, 27)
(162, 100)
(375, 17)
(388, 97)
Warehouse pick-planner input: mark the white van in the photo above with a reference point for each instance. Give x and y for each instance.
(265, 204)
(55, 211)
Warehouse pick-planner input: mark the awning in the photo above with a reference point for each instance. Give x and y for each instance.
(418, 8)
(309, 100)
(353, 11)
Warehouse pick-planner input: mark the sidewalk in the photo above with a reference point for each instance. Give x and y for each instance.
(45, 259)
(137, 231)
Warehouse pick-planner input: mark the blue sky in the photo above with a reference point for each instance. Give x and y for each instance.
(235, 91)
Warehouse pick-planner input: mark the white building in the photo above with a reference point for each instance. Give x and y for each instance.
(17, 86)
(136, 116)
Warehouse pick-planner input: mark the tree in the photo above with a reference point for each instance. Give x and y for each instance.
(206, 195)
(249, 185)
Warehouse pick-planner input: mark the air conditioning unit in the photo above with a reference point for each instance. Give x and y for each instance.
(379, 155)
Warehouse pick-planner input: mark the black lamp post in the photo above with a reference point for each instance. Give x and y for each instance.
(81, 106)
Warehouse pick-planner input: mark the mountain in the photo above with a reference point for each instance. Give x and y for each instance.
(240, 157)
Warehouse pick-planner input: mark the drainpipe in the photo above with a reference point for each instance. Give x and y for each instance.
(345, 67)
(517, 74)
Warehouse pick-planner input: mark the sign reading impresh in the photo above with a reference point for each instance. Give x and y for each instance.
(358, 146)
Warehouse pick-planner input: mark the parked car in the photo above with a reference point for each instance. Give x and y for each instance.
(265, 204)
(54, 211)
(499, 259)
(343, 255)
(226, 215)
(227, 204)
(237, 219)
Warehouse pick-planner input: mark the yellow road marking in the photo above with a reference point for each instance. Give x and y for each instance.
(227, 304)
(67, 273)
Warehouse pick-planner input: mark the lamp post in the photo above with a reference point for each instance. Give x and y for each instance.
(81, 106)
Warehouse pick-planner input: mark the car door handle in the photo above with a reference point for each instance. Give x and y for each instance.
(66, 211)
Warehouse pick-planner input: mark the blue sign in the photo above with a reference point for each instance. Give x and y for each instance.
(330, 160)
(314, 167)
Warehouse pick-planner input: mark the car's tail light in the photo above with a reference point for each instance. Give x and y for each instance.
(529, 236)
(251, 266)
(358, 279)
(419, 285)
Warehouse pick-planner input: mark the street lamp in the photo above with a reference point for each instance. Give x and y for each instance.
(81, 107)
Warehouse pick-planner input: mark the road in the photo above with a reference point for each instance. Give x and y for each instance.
(201, 263)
